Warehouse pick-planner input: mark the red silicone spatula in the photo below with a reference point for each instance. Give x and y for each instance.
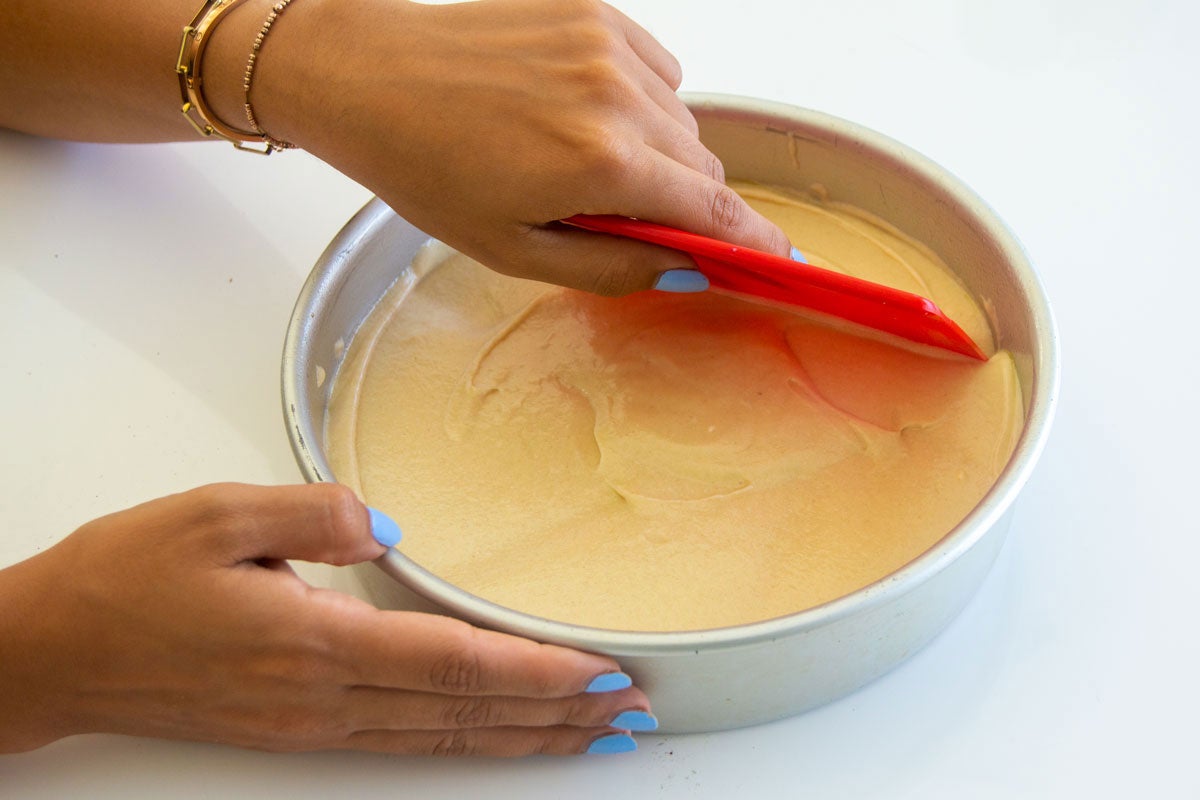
(752, 274)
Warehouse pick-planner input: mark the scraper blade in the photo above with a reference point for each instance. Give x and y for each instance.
(754, 275)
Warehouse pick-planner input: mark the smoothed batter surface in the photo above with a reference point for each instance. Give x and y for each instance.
(660, 461)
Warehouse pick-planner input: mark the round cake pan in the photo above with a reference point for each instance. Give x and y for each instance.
(730, 677)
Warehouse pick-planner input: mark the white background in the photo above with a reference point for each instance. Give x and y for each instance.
(144, 293)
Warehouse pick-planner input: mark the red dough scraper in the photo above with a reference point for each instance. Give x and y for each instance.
(755, 275)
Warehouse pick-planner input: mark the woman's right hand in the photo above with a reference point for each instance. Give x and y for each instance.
(483, 123)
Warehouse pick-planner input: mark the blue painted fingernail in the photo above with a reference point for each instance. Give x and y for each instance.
(609, 682)
(384, 528)
(613, 743)
(798, 256)
(681, 280)
(634, 721)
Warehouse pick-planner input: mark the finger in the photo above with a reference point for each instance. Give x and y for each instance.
(441, 655)
(658, 117)
(661, 94)
(321, 522)
(506, 742)
(593, 262)
(683, 146)
(683, 198)
(649, 50)
(371, 708)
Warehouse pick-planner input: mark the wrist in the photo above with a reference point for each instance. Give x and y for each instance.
(36, 705)
(224, 65)
(303, 71)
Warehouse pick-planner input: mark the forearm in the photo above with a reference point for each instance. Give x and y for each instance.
(96, 70)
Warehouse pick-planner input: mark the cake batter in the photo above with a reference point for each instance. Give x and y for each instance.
(668, 462)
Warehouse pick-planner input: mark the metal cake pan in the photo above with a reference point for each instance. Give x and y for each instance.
(748, 674)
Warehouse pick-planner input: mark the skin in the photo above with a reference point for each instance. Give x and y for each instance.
(482, 123)
(181, 619)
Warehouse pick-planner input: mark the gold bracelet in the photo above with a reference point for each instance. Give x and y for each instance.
(276, 10)
(191, 82)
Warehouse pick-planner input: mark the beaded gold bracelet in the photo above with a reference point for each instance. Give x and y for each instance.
(276, 10)
(191, 81)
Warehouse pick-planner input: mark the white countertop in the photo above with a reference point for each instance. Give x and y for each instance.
(144, 293)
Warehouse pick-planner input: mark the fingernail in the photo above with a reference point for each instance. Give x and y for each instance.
(609, 682)
(634, 721)
(613, 743)
(798, 256)
(681, 280)
(384, 528)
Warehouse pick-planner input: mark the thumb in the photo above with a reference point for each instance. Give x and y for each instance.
(320, 523)
(594, 262)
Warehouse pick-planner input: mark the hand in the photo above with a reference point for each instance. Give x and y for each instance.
(483, 123)
(180, 619)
